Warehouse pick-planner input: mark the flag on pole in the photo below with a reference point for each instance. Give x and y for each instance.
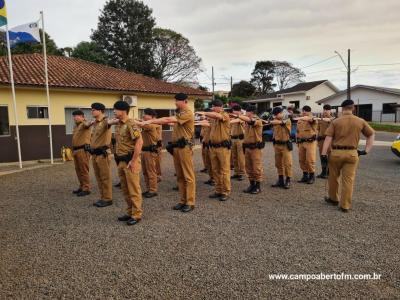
(3, 13)
(26, 33)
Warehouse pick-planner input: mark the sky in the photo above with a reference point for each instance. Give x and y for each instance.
(232, 35)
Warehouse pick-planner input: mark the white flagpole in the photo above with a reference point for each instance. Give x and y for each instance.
(10, 65)
(46, 73)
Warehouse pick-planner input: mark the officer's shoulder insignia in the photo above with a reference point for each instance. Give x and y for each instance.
(136, 133)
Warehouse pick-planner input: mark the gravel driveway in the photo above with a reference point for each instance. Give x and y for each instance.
(54, 245)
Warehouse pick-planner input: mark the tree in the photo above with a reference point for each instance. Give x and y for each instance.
(287, 75)
(175, 60)
(243, 89)
(125, 33)
(29, 48)
(263, 76)
(89, 51)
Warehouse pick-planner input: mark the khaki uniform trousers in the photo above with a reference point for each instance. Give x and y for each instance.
(342, 171)
(183, 161)
(283, 160)
(102, 171)
(158, 164)
(81, 161)
(238, 157)
(130, 185)
(149, 166)
(207, 161)
(204, 154)
(307, 156)
(254, 164)
(221, 166)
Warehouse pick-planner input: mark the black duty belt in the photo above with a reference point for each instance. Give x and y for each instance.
(181, 143)
(151, 148)
(223, 144)
(123, 158)
(86, 147)
(99, 151)
(280, 142)
(206, 145)
(344, 148)
(258, 145)
(307, 140)
(159, 144)
(237, 137)
(321, 138)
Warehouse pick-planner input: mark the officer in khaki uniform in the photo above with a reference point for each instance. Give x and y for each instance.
(307, 143)
(252, 145)
(237, 136)
(150, 154)
(127, 155)
(283, 148)
(101, 154)
(81, 146)
(159, 151)
(323, 124)
(220, 149)
(343, 135)
(182, 149)
(203, 147)
(205, 150)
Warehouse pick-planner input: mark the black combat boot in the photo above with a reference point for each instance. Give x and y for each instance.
(257, 188)
(304, 179)
(250, 188)
(287, 183)
(324, 173)
(311, 178)
(279, 183)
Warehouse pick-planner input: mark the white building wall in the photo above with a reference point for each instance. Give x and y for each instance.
(319, 92)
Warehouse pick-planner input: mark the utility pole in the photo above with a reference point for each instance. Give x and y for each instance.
(348, 74)
(231, 85)
(213, 83)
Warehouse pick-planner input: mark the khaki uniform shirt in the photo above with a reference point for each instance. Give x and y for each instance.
(237, 128)
(150, 135)
(101, 134)
(306, 129)
(159, 132)
(126, 136)
(81, 134)
(220, 129)
(206, 133)
(346, 130)
(185, 126)
(323, 126)
(253, 132)
(282, 131)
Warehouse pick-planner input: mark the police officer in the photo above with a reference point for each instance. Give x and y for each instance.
(205, 151)
(323, 124)
(81, 146)
(283, 147)
(150, 154)
(307, 143)
(220, 149)
(252, 145)
(343, 135)
(101, 154)
(127, 154)
(237, 136)
(182, 149)
(159, 152)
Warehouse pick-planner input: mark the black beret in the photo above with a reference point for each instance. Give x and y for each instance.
(181, 97)
(251, 108)
(78, 113)
(236, 107)
(277, 110)
(327, 107)
(306, 108)
(217, 103)
(121, 105)
(98, 106)
(347, 102)
(150, 112)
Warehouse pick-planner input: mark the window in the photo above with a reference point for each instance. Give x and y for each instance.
(37, 112)
(296, 104)
(69, 119)
(4, 121)
(161, 113)
(389, 108)
(275, 104)
(308, 97)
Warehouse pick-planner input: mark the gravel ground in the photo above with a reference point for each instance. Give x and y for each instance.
(54, 245)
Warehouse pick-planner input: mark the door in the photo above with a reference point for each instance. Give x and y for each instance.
(364, 111)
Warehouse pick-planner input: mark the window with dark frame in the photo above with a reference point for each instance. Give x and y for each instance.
(37, 112)
(389, 108)
(275, 104)
(296, 104)
(4, 121)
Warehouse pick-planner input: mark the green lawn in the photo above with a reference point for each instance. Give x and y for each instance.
(385, 127)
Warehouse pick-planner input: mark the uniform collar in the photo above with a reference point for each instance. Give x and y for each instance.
(123, 122)
(98, 121)
(347, 113)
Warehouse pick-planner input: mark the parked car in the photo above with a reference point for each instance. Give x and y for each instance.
(396, 146)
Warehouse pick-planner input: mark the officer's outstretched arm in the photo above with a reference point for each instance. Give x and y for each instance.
(162, 121)
(210, 114)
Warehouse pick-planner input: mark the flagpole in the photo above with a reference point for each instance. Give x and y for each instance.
(10, 65)
(46, 73)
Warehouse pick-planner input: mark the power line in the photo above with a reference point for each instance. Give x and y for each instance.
(326, 70)
(374, 65)
(320, 62)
